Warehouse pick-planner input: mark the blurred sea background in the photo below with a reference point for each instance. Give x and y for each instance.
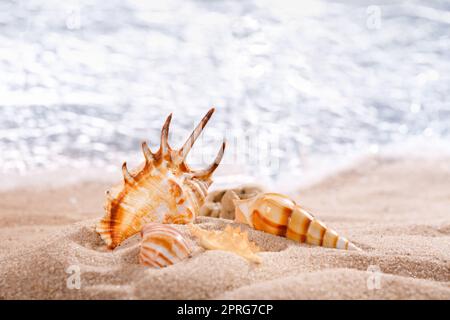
(301, 87)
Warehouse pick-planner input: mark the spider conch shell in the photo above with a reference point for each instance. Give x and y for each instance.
(162, 245)
(228, 240)
(279, 215)
(163, 189)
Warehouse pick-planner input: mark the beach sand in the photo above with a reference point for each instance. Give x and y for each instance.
(397, 211)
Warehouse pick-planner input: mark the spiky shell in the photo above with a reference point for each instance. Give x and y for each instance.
(230, 239)
(162, 245)
(279, 215)
(163, 189)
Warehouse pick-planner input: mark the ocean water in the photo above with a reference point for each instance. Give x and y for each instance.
(298, 86)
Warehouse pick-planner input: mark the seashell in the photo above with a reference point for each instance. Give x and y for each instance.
(227, 203)
(163, 189)
(279, 215)
(230, 239)
(162, 245)
(220, 203)
(211, 209)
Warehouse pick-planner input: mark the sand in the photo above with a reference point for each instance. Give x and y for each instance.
(397, 211)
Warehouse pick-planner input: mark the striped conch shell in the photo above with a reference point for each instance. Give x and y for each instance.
(233, 240)
(279, 215)
(163, 189)
(162, 245)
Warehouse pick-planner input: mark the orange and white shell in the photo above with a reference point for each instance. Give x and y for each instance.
(163, 189)
(162, 245)
(279, 215)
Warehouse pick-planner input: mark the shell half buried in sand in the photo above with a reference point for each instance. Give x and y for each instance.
(279, 215)
(233, 240)
(162, 245)
(163, 189)
(220, 203)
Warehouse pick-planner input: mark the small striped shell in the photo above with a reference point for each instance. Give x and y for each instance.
(163, 189)
(162, 245)
(279, 215)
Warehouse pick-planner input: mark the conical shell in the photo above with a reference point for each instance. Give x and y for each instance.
(162, 245)
(279, 215)
(163, 189)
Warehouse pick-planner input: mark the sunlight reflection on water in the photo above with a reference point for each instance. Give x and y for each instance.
(85, 81)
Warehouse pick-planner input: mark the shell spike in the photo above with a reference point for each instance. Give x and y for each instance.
(147, 153)
(164, 148)
(128, 178)
(184, 151)
(206, 173)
